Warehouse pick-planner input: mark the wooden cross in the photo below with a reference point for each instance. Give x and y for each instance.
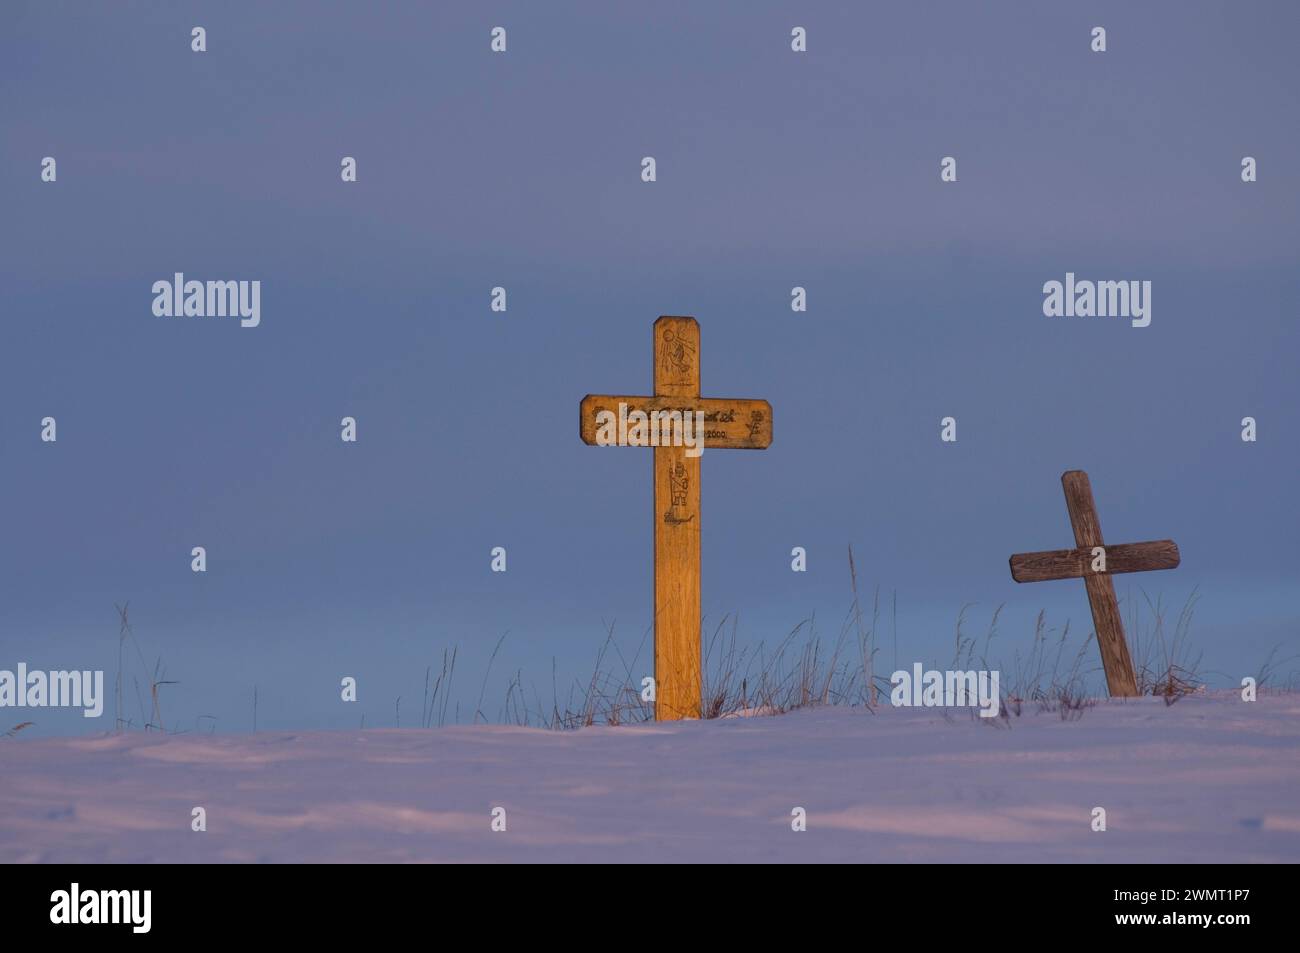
(728, 424)
(1095, 562)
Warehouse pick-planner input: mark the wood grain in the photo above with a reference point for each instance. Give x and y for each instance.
(1106, 619)
(678, 682)
(1077, 563)
(729, 423)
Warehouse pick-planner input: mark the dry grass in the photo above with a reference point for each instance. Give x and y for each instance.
(1038, 678)
(1163, 662)
(156, 678)
(441, 689)
(1271, 667)
(801, 670)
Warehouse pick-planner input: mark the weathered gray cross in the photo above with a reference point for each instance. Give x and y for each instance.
(1095, 562)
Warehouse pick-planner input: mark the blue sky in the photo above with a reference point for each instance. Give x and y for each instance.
(775, 169)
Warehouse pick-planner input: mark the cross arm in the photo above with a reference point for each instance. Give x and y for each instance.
(729, 423)
(1077, 563)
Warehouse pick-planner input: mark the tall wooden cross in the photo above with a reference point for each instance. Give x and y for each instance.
(734, 424)
(1096, 562)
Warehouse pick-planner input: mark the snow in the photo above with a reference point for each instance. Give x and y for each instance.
(1206, 779)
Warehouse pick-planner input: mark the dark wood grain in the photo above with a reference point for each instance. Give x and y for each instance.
(1115, 659)
(1077, 563)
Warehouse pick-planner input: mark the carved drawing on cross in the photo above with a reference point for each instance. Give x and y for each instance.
(681, 484)
(678, 356)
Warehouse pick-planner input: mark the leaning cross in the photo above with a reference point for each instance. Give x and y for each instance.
(728, 424)
(1096, 562)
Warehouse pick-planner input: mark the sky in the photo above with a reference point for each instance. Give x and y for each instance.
(522, 169)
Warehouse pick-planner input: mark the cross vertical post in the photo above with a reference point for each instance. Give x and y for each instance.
(1106, 620)
(678, 676)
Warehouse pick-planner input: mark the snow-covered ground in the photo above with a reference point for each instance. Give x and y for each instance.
(1208, 779)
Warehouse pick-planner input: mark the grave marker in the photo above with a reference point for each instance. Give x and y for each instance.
(1078, 563)
(735, 424)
